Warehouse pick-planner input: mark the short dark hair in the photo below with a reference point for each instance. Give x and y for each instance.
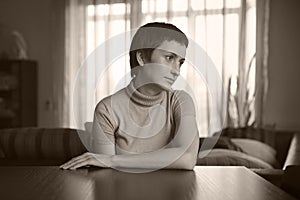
(150, 36)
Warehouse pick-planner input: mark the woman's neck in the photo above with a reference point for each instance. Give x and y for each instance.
(145, 95)
(150, 90)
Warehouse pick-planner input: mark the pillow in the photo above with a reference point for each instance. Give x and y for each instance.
(225, 157)
(258, 149)
(221, 142)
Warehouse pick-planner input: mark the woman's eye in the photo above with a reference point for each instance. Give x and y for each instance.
(169, 58)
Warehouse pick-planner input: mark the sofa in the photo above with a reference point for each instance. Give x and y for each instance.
(39, 146)
(253, 147)
(271, 149)
(272, 154)
(267, 153)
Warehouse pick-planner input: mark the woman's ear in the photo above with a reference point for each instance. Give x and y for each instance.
(139, 58)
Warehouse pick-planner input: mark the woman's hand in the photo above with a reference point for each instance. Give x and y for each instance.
(86, 159)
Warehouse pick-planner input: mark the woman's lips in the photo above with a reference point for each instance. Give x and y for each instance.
(169, 79)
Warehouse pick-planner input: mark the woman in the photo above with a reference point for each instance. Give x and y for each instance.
(146, 125)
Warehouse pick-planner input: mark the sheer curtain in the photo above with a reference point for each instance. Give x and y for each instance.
(222, 35)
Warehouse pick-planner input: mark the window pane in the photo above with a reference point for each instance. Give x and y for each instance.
(179, 5)
(214, 4)
(231, 45)
(148, 6)
(200, 90)
(250, 33)
(197, 4)
(90, 39)
(102, 9)
(215, 39)
(233, 3)
(147, 19)
(118, 9)
(161, 6)
(161, 19)
(152, 6)
(181, 23)
(116, 27)
(200, 32)
(100, 32)
(90, 10)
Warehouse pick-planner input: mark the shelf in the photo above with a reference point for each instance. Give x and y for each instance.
(7, 114)
(18, 93)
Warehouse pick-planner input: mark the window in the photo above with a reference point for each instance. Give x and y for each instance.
(226, 30)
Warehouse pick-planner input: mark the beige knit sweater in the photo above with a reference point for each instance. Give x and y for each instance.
(137, 123)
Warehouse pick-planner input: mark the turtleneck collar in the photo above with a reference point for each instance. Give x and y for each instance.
(143, 99)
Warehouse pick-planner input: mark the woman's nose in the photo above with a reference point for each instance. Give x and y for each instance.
(176, 68)
(175, 72)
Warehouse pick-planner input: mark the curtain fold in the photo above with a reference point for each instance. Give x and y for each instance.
(262, 80)
(74, 56)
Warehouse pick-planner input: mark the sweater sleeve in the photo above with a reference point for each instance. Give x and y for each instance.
(186, 131)
(103, 129)
(183, 104)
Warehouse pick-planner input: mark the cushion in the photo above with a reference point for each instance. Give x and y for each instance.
(258, 149)
(225, 157)
(221, 142)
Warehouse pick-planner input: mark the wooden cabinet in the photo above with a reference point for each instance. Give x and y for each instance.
(18, 93)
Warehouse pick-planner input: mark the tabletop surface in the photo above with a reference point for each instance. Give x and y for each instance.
(201, 183)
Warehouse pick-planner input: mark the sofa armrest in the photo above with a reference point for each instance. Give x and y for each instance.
(293, 156)
(275, 176)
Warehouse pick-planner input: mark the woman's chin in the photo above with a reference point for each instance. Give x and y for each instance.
(166, 87)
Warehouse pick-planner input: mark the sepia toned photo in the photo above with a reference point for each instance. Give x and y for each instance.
(149, 99)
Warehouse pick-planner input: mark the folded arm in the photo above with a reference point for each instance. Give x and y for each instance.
(180, 153)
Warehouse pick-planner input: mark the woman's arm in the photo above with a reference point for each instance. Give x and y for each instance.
(181, 153)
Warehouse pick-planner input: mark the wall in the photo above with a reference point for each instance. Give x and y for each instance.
(42, 25)
(283, 100)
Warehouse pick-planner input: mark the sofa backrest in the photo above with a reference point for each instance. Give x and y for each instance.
(58, 144)
(279, 140)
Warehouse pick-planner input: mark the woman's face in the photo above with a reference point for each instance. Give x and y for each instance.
(163, 68)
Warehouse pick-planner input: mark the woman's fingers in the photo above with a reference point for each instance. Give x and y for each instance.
(86, 159)
(81, 163)
(65, 165)
(75, 163)
(75, 160)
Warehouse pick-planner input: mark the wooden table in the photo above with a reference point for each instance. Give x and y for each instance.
(202, 183)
